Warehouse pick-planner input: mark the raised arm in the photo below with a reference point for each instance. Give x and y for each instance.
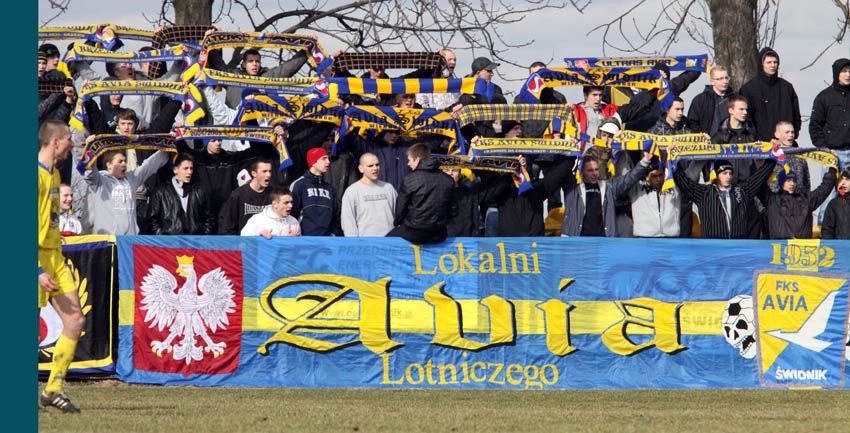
(691, 188)
(681, 83)
(621, 185)
(147, 169)
(754, 183)
(221, 113)
(820, 193)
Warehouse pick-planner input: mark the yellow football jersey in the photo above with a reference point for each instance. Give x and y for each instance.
(48, 208)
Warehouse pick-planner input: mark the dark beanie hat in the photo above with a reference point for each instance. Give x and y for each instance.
(507, 125)
(782, 176)
(722, 165)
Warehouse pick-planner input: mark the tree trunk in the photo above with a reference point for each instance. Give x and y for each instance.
(735, 38)
(192, 12)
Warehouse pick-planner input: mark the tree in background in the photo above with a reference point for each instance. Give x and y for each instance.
(731, 30)
(371, 25)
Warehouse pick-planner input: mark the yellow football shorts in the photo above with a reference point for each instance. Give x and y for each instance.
(53, 263)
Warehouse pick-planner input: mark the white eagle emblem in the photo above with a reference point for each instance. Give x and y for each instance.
(189, 311)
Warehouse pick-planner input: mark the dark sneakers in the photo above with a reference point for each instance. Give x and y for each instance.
(59, 401)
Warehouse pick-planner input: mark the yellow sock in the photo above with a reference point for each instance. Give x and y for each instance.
(63, 354)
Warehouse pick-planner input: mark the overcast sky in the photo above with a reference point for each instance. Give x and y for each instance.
(806, 27)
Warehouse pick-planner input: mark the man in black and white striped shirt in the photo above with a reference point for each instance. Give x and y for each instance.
(722, 204)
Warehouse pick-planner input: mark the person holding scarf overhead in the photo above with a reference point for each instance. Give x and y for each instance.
(724, 204)
(483, 68)
(737, 130)
(589, 208)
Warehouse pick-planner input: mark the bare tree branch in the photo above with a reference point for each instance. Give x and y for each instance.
(388, 25)
(62, 5)
(843, 25)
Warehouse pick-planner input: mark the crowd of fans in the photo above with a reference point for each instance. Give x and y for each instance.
(386, 184)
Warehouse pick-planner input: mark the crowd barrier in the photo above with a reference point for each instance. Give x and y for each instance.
(517, 313)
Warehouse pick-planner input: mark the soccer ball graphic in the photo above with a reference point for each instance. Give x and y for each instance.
(739, 328)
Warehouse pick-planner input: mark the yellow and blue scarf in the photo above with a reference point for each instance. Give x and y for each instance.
(361, 86)
(265, 135)
(612, 71)
(107, 142)
(316, 55)
(290, 108)
(522, 180)
(713, 151)
(517, 112)
(174, 90)
(409, 122)
(104, 35)
(82, 53)
(289, 86)
(697, 62)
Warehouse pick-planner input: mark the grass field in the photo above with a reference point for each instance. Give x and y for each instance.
(114, 407)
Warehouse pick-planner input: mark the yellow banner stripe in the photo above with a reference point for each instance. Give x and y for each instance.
(417, 316)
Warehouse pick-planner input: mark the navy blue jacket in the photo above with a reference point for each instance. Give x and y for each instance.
(313, 205)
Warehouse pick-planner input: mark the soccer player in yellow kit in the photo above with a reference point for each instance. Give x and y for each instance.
(54, 278)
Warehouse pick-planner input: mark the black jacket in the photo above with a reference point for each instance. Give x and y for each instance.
(663, 128)
(836, 220)
(425, 199)
(830, 121)
(712, 211)
(769, 100)
(468, 198)
(341, 174)
(522, 215)
(217, 173)
(726, 135)
(708, 111)
(482, 128)
(678, 85)
(167, 217)
(54, 107)
(789, 216)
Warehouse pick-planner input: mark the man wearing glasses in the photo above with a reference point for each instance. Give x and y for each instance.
(709, 108)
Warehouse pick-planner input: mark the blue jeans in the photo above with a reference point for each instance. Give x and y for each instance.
(491, 222)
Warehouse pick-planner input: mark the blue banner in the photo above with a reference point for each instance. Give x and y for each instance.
(518, 313)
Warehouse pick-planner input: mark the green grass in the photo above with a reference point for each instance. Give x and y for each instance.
(112, 406)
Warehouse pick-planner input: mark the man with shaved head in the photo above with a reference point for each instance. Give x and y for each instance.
(368, 205)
